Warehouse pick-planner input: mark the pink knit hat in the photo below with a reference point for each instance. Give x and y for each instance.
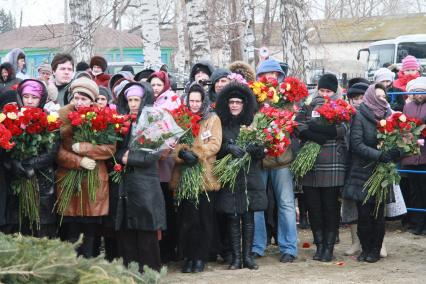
(410, 63)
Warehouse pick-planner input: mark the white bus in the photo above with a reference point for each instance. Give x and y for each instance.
(387, 52)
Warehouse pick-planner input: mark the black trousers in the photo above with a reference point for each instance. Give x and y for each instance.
(196, 227)
(141, 247)
(71, 232)
(168, 243)
(371, 230)
(45, 231)
(417, 186)
(323, 207)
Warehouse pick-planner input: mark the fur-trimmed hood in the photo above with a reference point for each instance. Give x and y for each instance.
(10, 70)
(244, 69)
(12, 58)
(236, 90)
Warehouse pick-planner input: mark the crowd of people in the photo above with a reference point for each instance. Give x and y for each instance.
(139, 219)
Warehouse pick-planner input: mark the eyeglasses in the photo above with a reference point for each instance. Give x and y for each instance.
(235, 102)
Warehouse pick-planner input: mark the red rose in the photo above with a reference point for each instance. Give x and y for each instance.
(118, 168)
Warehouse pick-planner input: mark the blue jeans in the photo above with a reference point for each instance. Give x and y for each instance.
(282, 183)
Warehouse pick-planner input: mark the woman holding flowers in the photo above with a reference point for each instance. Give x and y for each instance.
(321, 185)
(82, 215)
(139, 212)
(33, 94)
(236, 108)
(196, 216)
(365, 154)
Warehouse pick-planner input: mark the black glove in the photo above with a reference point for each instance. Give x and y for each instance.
(385, 157)
(19, 170)
(329, 130)
(316, 137)
(256, 151)
(235, 150)
(188, 157)
(395, 154)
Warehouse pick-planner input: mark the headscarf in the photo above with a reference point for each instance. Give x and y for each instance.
(377, 105)
(32, 87)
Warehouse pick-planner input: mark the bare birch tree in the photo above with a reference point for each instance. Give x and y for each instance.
(294, 37)
(150, 32)
(249, 32)
(198, 37)
(81, 28)
(180, 28)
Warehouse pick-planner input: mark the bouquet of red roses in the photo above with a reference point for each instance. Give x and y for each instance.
(331, 113)
(99, 126)
(272, 128)
(271, 92)
(399, 131)
(191, 181)
(33, 132)
(5, 138)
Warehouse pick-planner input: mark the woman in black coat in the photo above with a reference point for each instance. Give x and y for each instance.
(365, 155)
(33, 93)
(139, 212)
(235, 108)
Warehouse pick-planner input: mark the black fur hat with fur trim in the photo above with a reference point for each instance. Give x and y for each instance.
(236, 90)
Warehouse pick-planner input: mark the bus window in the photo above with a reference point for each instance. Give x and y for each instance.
(416, 49)
(380, 55)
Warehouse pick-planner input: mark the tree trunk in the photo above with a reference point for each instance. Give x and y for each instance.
(198, 37)
(294, 37)
(180, 17)
(235, 31)
(249, 34)
(150, 32)
(82, 37)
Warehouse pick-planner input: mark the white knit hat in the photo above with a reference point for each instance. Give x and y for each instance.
(417, 84)
(383, 74)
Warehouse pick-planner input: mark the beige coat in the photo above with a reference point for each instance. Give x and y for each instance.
(205, 149)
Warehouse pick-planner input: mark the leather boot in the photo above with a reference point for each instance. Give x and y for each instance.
(364, 236)
(248, 232)
(187, 267)
(198, 266)
(318, 240)
(303, 213)
(356, 246)
(235, 238)
(330, 240)
(373, 255)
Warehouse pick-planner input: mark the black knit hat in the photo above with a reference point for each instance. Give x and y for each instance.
(328, 81)
(355, 80)
(82, 66)
(356, 90)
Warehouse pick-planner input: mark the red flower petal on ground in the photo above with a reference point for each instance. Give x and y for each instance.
(306, 245)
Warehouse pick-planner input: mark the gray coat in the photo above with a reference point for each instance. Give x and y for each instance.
(365, 154)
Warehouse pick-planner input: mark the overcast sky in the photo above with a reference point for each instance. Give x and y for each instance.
(35, 12)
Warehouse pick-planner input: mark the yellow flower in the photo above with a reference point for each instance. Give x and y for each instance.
(12, 115)
(117, 125)
(287, 87)
(52, 118)
(2, 117)
(275, 98)
(403, 118)
(383, 123)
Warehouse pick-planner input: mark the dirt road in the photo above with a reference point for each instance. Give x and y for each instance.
(406, 263)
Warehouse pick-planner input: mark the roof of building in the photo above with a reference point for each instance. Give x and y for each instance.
(52, 36)
(367, 29)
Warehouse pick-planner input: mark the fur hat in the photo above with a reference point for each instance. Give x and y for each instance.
(328, 81)
(99, 61)
(355, 80)
(244, 69)
(86, 86)
(45, 67)
(357, 89)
